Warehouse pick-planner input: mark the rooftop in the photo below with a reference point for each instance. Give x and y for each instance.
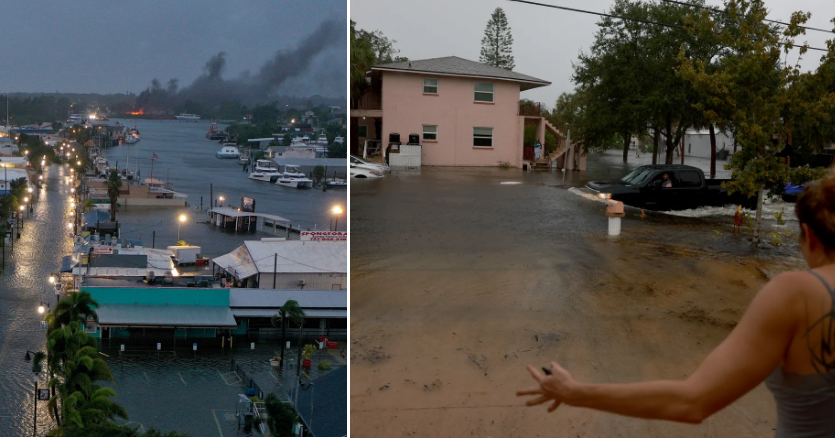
(455, 66)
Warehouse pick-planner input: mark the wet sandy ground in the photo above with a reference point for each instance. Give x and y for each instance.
(458, 282)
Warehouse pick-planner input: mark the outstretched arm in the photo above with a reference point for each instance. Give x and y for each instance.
(750, 353)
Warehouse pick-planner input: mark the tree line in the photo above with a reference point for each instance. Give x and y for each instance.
(659, 68)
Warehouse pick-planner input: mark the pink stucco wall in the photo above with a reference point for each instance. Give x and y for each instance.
(406, 109)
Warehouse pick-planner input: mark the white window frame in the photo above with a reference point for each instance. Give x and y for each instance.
(492, 93)
(360, 128)
(437, 83)
(482, 136)
(423, 133)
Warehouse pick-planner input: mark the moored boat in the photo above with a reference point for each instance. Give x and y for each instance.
(228, 152)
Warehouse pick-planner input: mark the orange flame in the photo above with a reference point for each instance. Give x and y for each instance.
(137, 113)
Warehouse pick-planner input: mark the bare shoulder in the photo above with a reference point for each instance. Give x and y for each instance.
(785, 293)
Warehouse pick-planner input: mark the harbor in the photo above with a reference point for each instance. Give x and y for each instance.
(183, 288)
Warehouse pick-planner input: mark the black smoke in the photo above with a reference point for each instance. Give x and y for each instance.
(211, 88)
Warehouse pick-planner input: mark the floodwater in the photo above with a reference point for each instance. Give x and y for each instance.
(23, 285)
(187, 160)
(459, 280)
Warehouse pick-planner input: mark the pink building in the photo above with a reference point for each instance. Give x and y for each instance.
(465, 113)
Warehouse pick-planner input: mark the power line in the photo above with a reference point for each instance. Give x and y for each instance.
(601, 14)
(673, 26)
(707, 8)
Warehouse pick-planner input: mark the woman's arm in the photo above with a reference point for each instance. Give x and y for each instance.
(750, 353)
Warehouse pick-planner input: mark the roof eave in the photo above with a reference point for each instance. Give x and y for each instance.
(531, 84)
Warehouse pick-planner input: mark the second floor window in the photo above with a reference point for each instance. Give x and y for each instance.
(430, 132)
(362, 131)
(430, 86)
(483, 92)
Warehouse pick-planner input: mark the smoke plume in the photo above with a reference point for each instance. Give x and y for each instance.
(211, 88)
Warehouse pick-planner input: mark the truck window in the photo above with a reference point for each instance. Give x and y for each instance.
(638, 176)
(689, 178)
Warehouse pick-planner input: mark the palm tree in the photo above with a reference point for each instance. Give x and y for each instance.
(294, 312)
(78, 307)
(114, 184)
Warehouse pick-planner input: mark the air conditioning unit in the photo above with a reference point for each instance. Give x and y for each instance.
(302, 283)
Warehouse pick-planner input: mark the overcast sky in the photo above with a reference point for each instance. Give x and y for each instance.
(546, 40)
(110, 46)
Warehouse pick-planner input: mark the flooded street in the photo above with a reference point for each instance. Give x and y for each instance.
(458, 281)
(23, 285)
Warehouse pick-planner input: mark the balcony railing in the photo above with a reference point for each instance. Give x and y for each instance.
(530, 109)
(368, 101)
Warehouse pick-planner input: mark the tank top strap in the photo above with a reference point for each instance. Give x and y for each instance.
(825, 284)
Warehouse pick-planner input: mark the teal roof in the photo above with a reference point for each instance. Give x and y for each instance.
(134, 315)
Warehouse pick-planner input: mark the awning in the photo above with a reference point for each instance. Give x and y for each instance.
(67, 263)
(309, 313)
(132, 315)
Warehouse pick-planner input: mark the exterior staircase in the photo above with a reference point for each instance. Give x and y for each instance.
(545, 163)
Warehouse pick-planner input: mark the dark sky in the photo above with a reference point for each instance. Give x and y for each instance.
(92, 46)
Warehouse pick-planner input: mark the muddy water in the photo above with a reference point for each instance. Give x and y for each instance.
(458, 281)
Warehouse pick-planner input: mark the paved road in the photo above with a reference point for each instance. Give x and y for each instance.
(23, 284)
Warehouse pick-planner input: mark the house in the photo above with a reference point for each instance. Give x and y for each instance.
(287, 264)
(10, 174)
(465, 113)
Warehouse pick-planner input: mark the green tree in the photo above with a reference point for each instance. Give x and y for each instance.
(77, 307)
(763, 92)
(362, 58)
(318, 174)
(292, 311)
(114, 185)
(497, 44)
(281, 416)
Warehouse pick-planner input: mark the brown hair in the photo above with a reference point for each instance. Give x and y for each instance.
(816, 208)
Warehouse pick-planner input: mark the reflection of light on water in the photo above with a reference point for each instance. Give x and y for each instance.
(586, 193)
(510, 183)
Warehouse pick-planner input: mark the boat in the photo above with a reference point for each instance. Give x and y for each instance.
(162, 189)
(228, 151)
(130, 139)
(339, 140)
(215, 133)
(265, 171)
(244, 158)
(292, 177)
(322, 140)
(185, 117)
(336, 183)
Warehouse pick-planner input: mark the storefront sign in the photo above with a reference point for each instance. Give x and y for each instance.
(325, 236)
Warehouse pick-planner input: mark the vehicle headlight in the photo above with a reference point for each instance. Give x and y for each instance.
(605, 195)
(376, 172)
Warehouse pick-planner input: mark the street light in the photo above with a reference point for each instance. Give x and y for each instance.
(337, 210)
(41, 309)
(52, 279)
(36, 369)
(182, 218)
(221, 200)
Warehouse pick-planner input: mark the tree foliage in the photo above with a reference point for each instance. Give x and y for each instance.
(760, 93)
(497, 43)
(114, 186)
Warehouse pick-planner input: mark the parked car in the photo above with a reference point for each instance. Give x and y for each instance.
(360, 163)
(688, 188)
(360, 172)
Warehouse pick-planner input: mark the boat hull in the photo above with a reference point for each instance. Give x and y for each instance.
(264, 177)
(226, 155)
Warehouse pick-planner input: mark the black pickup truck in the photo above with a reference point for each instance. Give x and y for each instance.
(644, 188)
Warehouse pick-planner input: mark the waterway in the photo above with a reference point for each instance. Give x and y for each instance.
(187, 160)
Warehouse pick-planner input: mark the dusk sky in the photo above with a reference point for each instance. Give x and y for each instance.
(91, 46)
(546, 41)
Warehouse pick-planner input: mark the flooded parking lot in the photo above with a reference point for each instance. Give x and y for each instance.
(459, 281)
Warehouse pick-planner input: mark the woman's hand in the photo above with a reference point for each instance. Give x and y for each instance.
(558, 387)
